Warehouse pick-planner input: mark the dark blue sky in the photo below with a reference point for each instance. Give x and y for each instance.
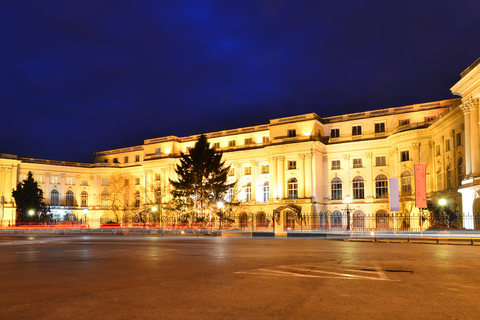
(78, 77)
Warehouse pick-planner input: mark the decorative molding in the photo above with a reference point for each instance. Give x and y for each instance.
(416, 145)
(431, 144)
(346, 156)
(325, 158)
(369, 155)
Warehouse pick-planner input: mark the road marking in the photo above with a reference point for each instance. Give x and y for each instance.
(314, 271)
(77, 250)
(119, 250)
(27, 252)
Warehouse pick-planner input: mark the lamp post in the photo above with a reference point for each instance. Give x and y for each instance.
(220, 208)
(347, 200)
(154, 209)
(85, 212)
(443, 202)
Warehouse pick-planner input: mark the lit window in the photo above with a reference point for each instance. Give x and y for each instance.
(216, 145)
(292, 189)
(266, 191)
(69, 181)
(39, 179)
(265, 139)
(335, 164)
(358, 188)
(430, 118)
(84, 198)
(404, 122)
(69, 198)
(381, 161)
(248, 192)
(265, 169)
(356, 130)
(158, 150)
(105, 182)
(247, 171)
(231, 143)
(125, 160)
(292, 165)
(335, 133)
(460, 170)
(157, 176)
(137, 198)
(406, 181)
(336, 189)
(231, 172)
(54, 180)
(439, 180)
(379, 127)
(229, 195)
(357, 163)
(405, 156)
(449, 177)
(292, 133)
(137, 181)
(137, 158)
(248, 141)
(84, 182)
(54, 197)
(381, 186)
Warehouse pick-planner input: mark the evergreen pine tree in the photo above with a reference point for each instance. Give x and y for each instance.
(29, 197)
(202, 179)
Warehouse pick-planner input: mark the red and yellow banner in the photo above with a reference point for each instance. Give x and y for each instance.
(420, 186)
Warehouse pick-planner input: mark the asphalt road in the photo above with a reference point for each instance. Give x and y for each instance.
(213, 278)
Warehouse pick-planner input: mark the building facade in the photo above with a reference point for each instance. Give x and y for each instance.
(303, 164)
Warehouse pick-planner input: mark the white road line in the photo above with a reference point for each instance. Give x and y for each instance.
(338, 274)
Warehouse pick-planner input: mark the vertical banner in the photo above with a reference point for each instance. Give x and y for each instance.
(2, 207)
(394, 195)
(420, 186)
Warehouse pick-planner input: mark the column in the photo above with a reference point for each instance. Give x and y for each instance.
(308, 175)
(254, 166)
(475, 152)
(280, 177)
(468, 134)
(301, 174)
(272, 172)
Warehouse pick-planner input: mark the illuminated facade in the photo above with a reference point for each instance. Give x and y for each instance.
(303, 163)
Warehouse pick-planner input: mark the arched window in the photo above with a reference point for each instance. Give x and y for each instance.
(336, 219)
(137, 198)
(293, 188)
(358, 188)
(406, 178)
(358, 220)
(461, 175)
(69, 198)
(261, 220)
(54, 197)
(381, 186)
(84, 198)
(248, 192)
(104, 198)
(382, 220)
(336, 188)
(266, 191)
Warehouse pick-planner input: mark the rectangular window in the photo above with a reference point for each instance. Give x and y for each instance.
(336, 165)
(104, 181)
(126, 182)
(137, 181)
(356, 130)
(357, 163)
(404, 122)
(430, 118)
(248, 141)
(157, 176)
(447, 145)
(69, 181)
(231, 143)
(265, 139)
(54, 180)
(158, 150)
(231, 172)
(115, 160)
(380, 161)
(247, 171)
(380, 127)
(105, 160)
(137, 158)
(125, 160)
(292, 165)
(292, 133)
(437, 150)
(265, 169)
(335, 133)
(84, 182)
(216, 145)
(459, 139)
(39, 179)
(405, 156)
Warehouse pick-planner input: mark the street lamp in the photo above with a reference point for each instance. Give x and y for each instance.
(30, 212)
(154, 209)
(85, 211)
(348, 200)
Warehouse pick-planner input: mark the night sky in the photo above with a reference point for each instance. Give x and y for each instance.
(78, 77)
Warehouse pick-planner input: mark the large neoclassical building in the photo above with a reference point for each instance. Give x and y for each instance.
(306, 164)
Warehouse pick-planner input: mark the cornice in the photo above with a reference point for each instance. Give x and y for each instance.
(467, 83)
